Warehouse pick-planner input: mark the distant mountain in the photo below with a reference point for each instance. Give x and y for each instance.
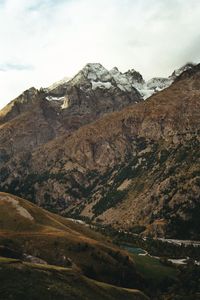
(90, 94)
(94, 90)
(92, 148)
(94, 76)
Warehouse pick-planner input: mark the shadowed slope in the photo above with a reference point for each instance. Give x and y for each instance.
(30, 230)
(28, 281)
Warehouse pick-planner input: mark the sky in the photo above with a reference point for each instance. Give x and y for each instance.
(43, 41)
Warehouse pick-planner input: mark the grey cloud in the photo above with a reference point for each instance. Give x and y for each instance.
(16, 67)
(60, 36)
(139, 43)
(40, 5)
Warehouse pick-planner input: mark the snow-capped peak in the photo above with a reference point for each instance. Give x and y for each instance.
(115, 71)
(157, 84)
(95, 71)
(94, 76)
(99, 77)
(179, 71)
(57, 83)
(124, 82)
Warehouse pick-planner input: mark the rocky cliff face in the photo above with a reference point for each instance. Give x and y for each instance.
(137, 166)
(95, 90)
(38, 116)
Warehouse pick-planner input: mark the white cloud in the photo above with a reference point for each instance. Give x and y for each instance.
(57, 38)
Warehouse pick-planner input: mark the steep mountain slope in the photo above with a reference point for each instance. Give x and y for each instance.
(138, 166)
(32, 234)
(38, 116)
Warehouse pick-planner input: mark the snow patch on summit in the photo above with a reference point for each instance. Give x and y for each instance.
(153, 86)
(96, 72)
(99, 84)
(51, 98)
(179, 71)
(123, 82)
(101, 78)
(94, 76)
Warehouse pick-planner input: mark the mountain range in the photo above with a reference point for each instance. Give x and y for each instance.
(109, 148)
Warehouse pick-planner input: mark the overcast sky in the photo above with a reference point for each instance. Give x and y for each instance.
(42, 41)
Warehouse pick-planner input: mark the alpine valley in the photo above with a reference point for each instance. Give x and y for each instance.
(113, 152)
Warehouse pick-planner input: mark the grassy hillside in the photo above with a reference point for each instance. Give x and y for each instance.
(80, 263)
(20, 281)
(29, 229)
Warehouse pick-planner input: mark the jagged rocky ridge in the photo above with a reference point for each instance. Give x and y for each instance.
(138, 166)
(95, 76)
(96, 90)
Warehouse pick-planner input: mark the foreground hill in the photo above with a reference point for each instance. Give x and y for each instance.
(31, 233)
(20, 281)
(138, 166)
(45, 256)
